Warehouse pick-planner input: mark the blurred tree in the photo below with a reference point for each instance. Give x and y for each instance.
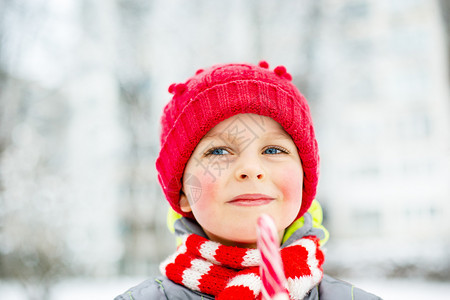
(32, 242)
(38, 262)
(33, 251)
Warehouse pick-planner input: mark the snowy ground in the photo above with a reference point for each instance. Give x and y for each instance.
(410, 289)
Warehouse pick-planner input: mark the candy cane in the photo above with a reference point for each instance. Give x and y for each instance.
(271, 268)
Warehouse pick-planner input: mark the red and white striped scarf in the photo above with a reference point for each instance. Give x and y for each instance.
(233, 273)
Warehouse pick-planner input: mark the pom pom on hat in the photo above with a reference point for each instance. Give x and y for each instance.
(287, 76)
(264, 64)
(172, 88)
(180, 88)
(280, 70)
(177, 88)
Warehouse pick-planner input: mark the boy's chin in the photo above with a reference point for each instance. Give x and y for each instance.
(241, 240)
(243, 243)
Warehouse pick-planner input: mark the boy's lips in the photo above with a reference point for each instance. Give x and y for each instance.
(251, 200)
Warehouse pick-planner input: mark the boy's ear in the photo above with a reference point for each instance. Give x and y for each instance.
(184, 203)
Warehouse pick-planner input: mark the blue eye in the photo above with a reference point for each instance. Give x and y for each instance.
(271, 151)
(274, 150)
(217, 151)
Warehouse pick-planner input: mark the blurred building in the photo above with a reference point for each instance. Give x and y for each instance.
(383, 121)
(61, 140)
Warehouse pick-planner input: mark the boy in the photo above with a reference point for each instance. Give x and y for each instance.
(237, 141)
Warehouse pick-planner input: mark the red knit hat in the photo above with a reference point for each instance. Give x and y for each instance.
(220, 92)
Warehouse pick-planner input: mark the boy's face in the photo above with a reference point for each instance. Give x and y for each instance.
(244, 166)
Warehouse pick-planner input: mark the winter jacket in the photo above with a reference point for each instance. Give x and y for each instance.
(163, 289)
(310, 224)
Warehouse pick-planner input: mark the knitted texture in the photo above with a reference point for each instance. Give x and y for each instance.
(228, 272)
(220, 92)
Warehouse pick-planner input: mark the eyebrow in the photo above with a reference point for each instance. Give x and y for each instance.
(266, 134)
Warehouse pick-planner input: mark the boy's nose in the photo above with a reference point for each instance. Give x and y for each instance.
(250, 171)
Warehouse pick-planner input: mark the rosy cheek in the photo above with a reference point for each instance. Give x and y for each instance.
(207, 187)
(291, 183)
